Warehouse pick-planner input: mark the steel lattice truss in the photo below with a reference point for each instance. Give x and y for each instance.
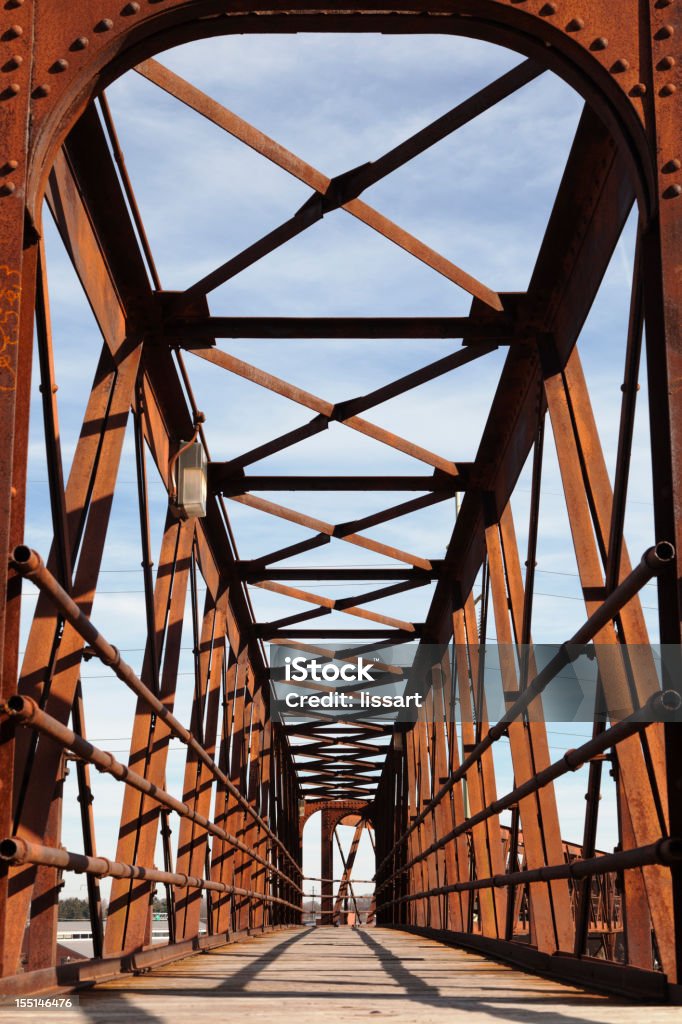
(445, 864)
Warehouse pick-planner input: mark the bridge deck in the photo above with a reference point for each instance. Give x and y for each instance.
(311, 975)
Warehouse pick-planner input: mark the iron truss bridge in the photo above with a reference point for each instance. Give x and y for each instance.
(461, 856)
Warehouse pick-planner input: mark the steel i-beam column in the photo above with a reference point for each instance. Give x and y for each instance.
(327, 866)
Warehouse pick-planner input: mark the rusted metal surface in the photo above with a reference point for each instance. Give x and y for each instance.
(327, 193)
(444, 863)
(21, 852)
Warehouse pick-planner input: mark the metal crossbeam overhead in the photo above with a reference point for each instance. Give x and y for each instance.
(388, 636)
(231, 485)
(253, 572)
(497, 329)
(427, 791)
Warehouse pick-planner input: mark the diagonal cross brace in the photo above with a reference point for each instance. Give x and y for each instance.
(300, 519)
(342, 191)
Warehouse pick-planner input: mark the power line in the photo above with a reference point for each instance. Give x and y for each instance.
(202, 590)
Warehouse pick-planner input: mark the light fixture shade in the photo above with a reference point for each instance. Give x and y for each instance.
(192, 481)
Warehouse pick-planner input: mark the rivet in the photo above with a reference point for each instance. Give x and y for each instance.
(666, 63)
(548, 10)
(668, 89)
(639, 89)
(663, 3)
(7, 188)
(599, 44)
(80, 43)
(14, 31)
(13, 3)
(12, 492)
(672, 192)
(42, 90)
(620, 65)
(671, 165)
(11, 165)
(14, 88)
(104, 25)
(60, 65)
(131, 8)
(14, 62)
(575, 24)
(665, 32)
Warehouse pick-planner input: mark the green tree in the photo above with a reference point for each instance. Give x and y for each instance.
(73, 909)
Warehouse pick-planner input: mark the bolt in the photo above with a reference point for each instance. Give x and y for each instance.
(104, 25)
(14, 31)
(672, 192)
(620, 65)
(42, 90)
(7, 188)
(575, 24)
(671, 165)
(600, 43)
(668, 89)
(665, 32)
(639, 89)
(666, 63)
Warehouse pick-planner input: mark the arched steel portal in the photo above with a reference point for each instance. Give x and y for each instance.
(357, 814)
(441, 866)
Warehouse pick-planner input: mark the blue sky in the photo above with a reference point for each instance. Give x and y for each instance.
(481, 197)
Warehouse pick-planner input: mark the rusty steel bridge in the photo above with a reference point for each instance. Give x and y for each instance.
(449, 871)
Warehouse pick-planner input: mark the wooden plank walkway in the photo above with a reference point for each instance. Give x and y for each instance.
(308, 976)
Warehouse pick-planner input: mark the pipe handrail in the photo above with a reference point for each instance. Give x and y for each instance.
(660, 704)
(29, 564)
(26, 712)
(19, 851)
(654, 560)
(666, 851)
